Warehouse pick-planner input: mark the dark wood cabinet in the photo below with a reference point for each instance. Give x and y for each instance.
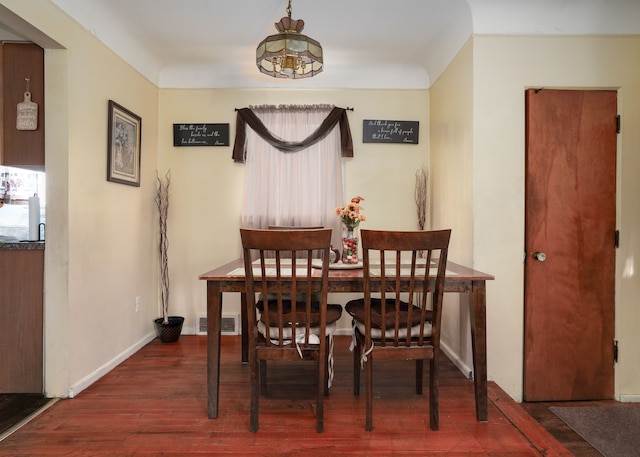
(21, 322)
(19, 61)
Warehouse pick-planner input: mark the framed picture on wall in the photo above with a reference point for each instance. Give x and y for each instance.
(123, 145)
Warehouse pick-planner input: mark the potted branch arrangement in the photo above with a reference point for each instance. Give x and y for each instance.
(168, 327)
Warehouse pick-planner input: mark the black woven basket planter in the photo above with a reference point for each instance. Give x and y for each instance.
(169, 333)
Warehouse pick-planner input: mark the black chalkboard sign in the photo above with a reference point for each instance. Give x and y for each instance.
(379, 131)
(201, 134)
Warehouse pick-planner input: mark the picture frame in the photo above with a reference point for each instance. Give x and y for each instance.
(123, 145)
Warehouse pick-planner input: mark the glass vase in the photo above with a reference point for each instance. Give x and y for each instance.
(350, 242)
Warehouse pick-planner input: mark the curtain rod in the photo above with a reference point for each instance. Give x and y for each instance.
(347, 108)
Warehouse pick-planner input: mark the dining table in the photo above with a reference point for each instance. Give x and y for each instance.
(229, 278)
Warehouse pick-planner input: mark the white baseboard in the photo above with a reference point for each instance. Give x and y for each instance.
(110, 365)
(630, 398)
(465, 369)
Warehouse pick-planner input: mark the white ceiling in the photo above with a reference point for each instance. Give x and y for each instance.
(367, 43)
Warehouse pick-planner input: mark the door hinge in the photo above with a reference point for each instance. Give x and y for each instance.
(615, 351)
(617, 239)
(618, 123)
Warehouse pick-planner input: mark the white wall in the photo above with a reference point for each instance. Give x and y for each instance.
(206, 195)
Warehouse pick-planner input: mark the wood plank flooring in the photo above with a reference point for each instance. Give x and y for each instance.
(154, 404)
(16, 407)
(561, 431)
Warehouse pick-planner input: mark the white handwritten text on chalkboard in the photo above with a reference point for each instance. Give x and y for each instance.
(201, 134)
(383, 131)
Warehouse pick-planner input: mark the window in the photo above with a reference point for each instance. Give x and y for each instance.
(300, 188)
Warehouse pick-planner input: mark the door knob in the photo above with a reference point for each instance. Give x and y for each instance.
(540, 256)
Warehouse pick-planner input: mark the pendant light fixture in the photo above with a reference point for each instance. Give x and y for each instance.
(289, 54)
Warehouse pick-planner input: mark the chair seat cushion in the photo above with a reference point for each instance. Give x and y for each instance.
(333, 314)
(300, 298)
(356, 309)
(286, 333)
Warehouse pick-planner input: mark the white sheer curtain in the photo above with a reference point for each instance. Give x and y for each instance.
(297, 188)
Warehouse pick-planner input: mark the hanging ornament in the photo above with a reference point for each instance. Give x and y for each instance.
(27, 114)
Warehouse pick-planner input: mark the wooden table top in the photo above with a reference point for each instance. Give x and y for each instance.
(234, 271)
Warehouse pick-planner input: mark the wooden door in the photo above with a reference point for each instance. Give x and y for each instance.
(570, 212)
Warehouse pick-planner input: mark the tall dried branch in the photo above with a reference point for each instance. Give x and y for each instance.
(162, 202)
(421, 196)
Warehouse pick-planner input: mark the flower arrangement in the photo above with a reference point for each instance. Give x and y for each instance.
(350, 213)
(350, 217)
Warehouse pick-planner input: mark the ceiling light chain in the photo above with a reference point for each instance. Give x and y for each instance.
(289, 54)
(289, 9)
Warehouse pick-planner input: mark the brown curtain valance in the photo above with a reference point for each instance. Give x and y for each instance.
(247, 116)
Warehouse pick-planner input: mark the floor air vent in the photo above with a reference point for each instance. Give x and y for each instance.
(230, 324)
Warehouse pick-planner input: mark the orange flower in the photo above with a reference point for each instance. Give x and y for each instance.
(350, 213)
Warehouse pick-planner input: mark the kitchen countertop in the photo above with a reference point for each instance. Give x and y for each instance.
(21, 245)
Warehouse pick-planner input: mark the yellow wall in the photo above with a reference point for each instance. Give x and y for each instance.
(207, 186)
(452, 164)
(503, 67)
(100, 236)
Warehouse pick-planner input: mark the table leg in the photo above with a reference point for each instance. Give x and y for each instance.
(214, 317)
(478, 312)
(244, 328)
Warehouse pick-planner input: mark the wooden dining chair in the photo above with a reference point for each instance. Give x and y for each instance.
(399, 317)
(286, 329)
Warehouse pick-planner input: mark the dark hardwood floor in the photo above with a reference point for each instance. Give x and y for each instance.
(16, 407)
(561, 431)
(154, 403)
